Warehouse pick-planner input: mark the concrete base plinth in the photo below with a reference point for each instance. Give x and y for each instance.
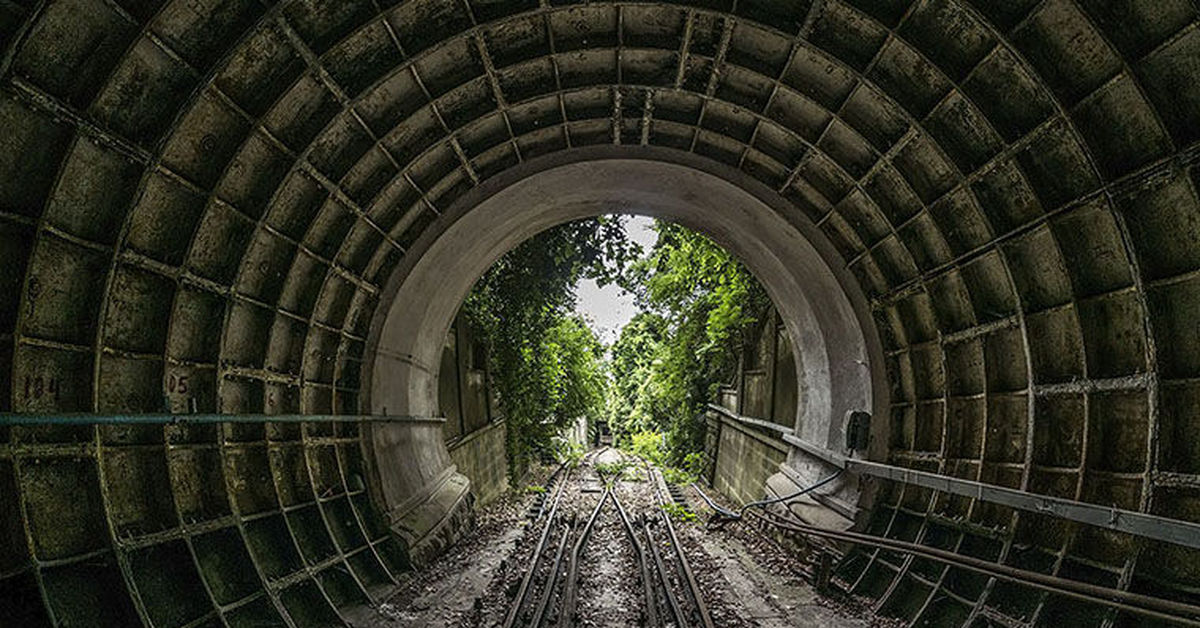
(805, 508)
(411, 475)
(439, 521)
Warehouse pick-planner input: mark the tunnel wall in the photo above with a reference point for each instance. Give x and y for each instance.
(218, 193)
(743, 458)
(483, 457)
(791, 260)
(189, 525)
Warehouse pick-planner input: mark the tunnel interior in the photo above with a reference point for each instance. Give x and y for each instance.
(207, 207)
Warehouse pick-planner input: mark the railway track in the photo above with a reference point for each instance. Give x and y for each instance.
(675, 575)
(548, 594)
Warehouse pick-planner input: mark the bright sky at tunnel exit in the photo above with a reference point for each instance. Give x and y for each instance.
(610, 308)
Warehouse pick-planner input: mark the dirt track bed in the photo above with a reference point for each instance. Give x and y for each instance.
(744, 578)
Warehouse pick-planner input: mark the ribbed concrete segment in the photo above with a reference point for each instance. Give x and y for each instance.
(201, 204)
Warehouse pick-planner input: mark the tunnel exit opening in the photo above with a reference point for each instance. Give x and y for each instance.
(838, 357)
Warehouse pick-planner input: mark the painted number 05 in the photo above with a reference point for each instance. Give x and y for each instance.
(177, 384)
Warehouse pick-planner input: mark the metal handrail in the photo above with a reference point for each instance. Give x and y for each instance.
(1159, 528)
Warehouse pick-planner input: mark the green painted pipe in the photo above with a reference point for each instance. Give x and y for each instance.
(16, 418)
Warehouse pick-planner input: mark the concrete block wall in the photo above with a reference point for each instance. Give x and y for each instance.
(745, 458)
(481, 457)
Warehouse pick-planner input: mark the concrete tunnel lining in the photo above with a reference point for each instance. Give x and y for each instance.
(821, 305)
(220, 193)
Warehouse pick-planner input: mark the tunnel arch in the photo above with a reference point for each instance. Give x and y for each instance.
(220, 193)
(840, 356)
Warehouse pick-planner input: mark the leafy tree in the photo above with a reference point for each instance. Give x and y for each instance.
(701, 302)
(546, 363)
(630, 406)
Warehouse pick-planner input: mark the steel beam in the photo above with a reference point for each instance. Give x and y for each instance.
(1116, 519)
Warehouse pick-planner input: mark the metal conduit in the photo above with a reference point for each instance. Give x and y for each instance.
(20, 419)
(1140, 524)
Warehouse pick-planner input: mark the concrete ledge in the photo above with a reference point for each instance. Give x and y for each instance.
(439, 521)
(742, 427)
(411, 476)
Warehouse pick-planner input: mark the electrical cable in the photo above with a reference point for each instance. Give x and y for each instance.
(769, 502)
(1144, 605)
(729, 514)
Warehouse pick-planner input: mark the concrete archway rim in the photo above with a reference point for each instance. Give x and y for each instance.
(820, 299)
(532, 167)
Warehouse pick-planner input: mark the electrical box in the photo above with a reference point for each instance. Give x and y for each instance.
(858, 430)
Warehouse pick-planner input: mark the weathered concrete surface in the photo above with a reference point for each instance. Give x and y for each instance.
(200, 206)
(745, 458)
(482, 457)
(426, 501)
(789, 604)
(834, 345)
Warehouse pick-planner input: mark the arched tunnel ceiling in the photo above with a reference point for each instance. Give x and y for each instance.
(217, 192)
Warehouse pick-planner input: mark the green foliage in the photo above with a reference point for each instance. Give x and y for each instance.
(546, 363)
(694, 463)
(635, 398)
(571, 454)
(648, 445)
(549, 368)
(688, 472)
(699, 304)
(679, 513)
(680, 477)
(612, 470)
(535, 488)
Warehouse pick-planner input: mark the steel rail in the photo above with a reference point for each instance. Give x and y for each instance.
(552, 576)
(1136, 603)
(562, 468)
(672, 599)
(643, 568)
(685, 570)
(519, 601)
(693, 587)
(570, 593)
